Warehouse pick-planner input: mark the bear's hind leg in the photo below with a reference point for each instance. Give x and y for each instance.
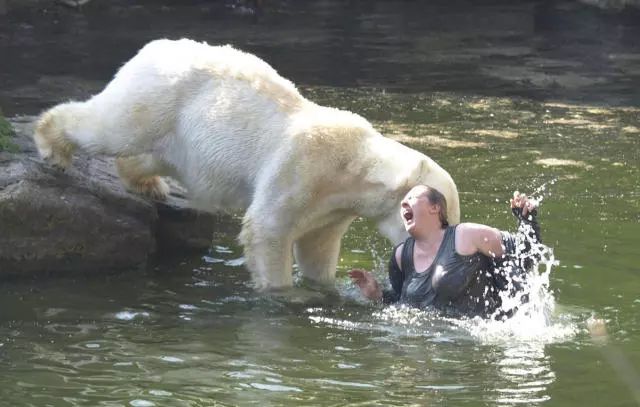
(139, 174)
(318, 250)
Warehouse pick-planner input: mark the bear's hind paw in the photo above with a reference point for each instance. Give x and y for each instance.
(151, 187)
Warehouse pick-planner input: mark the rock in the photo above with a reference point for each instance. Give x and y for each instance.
(83, 219)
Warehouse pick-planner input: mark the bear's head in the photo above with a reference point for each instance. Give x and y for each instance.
(398, 169)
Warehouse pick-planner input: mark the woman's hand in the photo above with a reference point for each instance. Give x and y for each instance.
(367, 283)
(522, 202)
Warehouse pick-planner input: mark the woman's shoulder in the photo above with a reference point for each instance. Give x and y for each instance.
(397, 252)
(471, 228)
(473, 237)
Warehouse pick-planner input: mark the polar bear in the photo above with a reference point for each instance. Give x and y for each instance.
(240, 137)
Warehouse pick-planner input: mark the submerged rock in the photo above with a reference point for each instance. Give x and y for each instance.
(83, 219)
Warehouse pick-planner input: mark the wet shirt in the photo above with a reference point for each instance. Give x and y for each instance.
(453, 282)
(470, 285)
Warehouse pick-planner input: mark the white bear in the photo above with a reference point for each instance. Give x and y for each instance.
(240, 137)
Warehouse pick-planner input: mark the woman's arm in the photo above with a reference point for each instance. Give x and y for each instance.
(519, 246)
(371, 289)
(525, 210)
(367, 283)
(473, 237)
(396, 277)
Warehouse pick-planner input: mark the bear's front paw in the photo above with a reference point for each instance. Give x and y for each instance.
(59, 158)
(52, 144)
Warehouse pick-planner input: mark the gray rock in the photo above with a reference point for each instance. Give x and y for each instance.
(84, 220)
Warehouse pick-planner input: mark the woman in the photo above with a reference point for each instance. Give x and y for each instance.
(461, 268)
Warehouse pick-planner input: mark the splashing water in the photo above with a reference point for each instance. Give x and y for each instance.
(533, 320)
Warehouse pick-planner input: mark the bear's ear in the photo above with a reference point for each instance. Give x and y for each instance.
(394, 165)
(418, 172)
(413, 171)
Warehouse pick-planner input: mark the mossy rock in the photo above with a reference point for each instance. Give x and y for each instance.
(6, 134)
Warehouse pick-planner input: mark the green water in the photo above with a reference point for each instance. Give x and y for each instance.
(191, 332)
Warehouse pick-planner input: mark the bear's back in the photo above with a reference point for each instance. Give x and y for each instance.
(171, 62)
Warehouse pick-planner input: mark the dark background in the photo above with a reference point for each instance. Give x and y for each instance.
(551, 50)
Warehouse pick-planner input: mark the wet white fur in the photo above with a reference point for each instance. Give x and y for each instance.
(241, 137)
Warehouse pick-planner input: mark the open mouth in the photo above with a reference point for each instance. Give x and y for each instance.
(407, 215)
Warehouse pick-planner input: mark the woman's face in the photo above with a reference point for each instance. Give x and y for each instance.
(415, 208)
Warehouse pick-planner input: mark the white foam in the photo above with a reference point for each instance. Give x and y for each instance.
(172, 359)
(128, 315)
(275, 387)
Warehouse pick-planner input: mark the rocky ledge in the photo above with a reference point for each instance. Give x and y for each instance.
(83, 219)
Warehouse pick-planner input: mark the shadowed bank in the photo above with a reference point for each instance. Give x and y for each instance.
(540, 49)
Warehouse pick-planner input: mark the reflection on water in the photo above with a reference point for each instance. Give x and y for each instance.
(508, 371)
(524, 375)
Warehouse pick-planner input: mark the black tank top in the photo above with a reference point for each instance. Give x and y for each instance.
(453, 282)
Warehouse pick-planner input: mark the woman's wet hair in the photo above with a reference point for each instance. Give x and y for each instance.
(436, 198)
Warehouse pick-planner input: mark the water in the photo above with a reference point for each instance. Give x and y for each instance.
(192, 332)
